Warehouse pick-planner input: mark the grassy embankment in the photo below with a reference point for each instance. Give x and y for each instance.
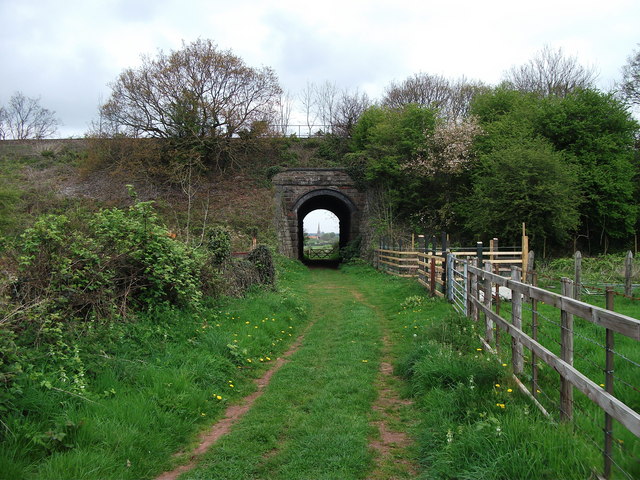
(468, 421)
(152, 384)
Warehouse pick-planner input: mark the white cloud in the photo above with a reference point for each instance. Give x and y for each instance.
(67, 52)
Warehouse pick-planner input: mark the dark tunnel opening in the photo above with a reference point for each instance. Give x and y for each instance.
(334, 202)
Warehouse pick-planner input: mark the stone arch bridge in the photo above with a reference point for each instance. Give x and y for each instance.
(299, 191)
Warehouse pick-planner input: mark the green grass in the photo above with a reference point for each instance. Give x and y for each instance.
(313, 420)
(469, 427)
(589, 358)
(152, 385)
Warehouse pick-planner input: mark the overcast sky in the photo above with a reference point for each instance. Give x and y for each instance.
(326, 220)
(68, 51)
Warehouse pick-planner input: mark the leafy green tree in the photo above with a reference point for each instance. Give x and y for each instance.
(595, 134)
(384, 142)
(524, 182)
(598, 133)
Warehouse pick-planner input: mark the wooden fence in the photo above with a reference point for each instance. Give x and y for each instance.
(428, 262)
(478, 287)
(478, 292)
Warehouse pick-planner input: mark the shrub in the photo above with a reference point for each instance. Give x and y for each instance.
(239, 276)
(263, 260)
(218, 244)
(10, 369)
(109, 262)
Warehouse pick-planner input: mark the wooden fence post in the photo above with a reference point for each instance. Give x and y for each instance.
(525, 250)
(578, 275)
(608, 386)
(444, 263)
(531, 263)
(628, 272)
(472, 282)
(488, 323)
(534, 335)
(566, 342)
(517, 359)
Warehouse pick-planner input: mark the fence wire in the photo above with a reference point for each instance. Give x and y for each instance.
(588, 357)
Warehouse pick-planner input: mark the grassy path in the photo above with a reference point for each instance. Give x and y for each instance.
(331, 412)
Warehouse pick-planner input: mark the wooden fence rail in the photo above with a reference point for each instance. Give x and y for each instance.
(479, 304)
(470, 285)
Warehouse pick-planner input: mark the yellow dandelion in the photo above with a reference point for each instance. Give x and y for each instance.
(247, 323)
(231, 385)
(249, 360)
(504, 364)
(602, 385)
(218, 397)
(203, 414)
(268, 359)
(498, 385)
(478, 349)
(509, 390)
(365, 361)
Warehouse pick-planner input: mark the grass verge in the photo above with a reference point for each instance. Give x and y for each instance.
(473, 422)
(152, 385)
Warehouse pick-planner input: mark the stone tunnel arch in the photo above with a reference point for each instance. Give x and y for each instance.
(302, 190)
(337, 203)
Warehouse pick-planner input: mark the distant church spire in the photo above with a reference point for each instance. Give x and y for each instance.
(318, 230)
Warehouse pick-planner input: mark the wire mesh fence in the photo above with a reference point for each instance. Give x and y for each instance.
(578, 361)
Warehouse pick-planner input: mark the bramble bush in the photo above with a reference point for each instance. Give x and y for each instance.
(114, 261)
(71, 272)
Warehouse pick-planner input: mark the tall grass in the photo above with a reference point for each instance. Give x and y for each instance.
(473, 421)
(152, 384)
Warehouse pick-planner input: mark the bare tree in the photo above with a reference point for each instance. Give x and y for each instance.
(25, 118)
(3, 119)
(462, 92)
(630, 86)
(308, 101)
(450, 97)
(198, 95)
(284, 108)
(348, 110)
(550, 72)
(421, 88)
(326, 100)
